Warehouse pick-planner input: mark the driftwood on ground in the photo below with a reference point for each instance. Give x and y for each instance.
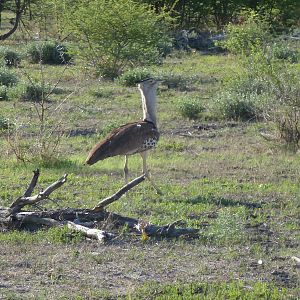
(87, 221)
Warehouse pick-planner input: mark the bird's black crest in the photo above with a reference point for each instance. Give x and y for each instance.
(143, 80)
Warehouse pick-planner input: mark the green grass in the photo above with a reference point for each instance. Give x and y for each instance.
(52, 236)
(224, 179)
(232, 291)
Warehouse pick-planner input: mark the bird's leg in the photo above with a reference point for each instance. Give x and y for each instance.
(146, 172)
(126, 169)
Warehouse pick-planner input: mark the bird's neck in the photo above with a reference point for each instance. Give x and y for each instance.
(149, 105)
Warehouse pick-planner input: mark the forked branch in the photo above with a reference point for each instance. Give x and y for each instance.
(82, 219)
(17, 205)
(118, 194)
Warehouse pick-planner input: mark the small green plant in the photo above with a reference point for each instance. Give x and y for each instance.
(190, 107)
(8, 77)
(133, 76)
(11, 58)
(3, 93)
(235, 106)
(55, 235)
(102, 93)
(35, 91)
(4, 123)
(228, 227)
(281, 50)
(231, 290)
(48, 52)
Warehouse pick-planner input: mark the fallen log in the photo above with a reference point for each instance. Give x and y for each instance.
(100, 235)
(87, 221)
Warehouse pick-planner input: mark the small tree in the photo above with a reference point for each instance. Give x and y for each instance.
(250, 35)
(117, 34)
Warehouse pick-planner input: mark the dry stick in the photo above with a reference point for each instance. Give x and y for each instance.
(30, 218)
(22, 201)
(36, 174)
(118, 194)
(94, 233)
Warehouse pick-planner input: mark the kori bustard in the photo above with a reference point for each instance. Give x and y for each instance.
(135, 137)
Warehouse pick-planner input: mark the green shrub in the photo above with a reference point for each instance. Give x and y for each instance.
(8, 77)
(48, 52)
(253, 33)
(134, 36)
(233, 106)
(190, 107)
(10, 57)
(283, 51)
(247, 83)
(133, 76)
(35, 92)
(4, 123)
(3, 93)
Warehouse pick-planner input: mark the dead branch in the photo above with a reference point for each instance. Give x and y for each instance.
(168, 230)
(33, 183)
(30, 218)
(94, 233)
(17, 205)
(82, 219)
(118, 194)
(296, 259)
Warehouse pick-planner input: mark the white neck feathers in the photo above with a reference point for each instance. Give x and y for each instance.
(149, 103)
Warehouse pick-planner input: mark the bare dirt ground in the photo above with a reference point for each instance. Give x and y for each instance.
(89, 270)
(92, 270)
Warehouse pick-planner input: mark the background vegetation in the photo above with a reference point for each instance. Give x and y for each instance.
(227, 161)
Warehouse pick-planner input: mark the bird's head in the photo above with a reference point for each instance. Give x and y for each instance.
(148, 83)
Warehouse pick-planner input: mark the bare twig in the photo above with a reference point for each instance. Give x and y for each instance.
(36, 174)
(119, 193)
(17, 205)
(296, 259)
(82, 219)
(94, 233)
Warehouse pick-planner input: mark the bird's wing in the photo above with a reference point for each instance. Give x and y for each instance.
(125, 140)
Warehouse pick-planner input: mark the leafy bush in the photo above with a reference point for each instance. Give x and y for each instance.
(3, 93)
(10, 57)
(120, 33)
(248, 83)
(233, 106)
(48, 52)
(253, 33)
(283, 51)
(8, 77)
(190, 107)
(35, 92)
(4, 123)
(288, 126)
(284, 107)
(133, 76)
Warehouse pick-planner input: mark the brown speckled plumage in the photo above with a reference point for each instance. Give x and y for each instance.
(131, 138)
(128, 139)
